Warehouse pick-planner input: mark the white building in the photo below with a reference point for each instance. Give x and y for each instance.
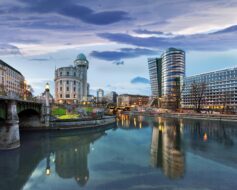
(71, 82)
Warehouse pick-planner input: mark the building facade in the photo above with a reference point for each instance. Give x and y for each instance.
(132, 100)
(111, 97)
(11, 81)
(167, 76)
(155, 67)
(173, 69)
(220, 91)
(100, 95)
(71, 82)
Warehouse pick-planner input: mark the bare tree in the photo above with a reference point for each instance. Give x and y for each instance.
(197, 94)
(225, 100)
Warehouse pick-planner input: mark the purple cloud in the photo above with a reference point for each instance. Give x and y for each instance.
(7, 49)
(222, 40)
(122, 53)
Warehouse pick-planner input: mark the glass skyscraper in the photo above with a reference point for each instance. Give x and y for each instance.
(167, 72)
(173, 71)
(154, 66)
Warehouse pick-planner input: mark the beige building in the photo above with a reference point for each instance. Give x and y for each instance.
(71, 82)
(132, 100)
(11, 81)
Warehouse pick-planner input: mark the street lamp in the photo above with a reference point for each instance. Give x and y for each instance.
(47, 87)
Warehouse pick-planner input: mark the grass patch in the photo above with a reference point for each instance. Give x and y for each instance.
(69, 116)
(59, 112)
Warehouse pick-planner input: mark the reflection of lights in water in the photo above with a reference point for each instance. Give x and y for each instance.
(92, 148)
(135, 121)
(205, 138)
(140, 124)
(47, 171)
(160, 128)
(78, 179)
(75, 149)
(181, 126)
(86, 178)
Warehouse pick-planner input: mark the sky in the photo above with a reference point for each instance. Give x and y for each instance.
(117, 37)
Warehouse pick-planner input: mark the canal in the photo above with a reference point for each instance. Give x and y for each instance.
(135, 153)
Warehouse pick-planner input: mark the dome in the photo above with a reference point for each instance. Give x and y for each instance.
(81, 56)
(81, 60)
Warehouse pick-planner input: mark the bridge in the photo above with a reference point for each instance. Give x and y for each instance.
(16, 113)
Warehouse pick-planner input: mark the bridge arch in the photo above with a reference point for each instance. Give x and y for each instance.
(29, 118)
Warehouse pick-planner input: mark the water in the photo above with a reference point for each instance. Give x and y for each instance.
(136, 153)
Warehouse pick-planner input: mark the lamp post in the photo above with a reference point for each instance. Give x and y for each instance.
(47, 105)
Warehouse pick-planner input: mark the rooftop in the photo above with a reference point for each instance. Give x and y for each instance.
(6, 65)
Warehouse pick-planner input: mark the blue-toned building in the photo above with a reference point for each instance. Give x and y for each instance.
(220, 92)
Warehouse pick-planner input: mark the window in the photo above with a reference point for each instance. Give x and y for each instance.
(67, 95)
(61, 73)
(61, 88)
(61, 82)
(74, 89)
(61, 95)
(67, 88)
(67, 73)
(67, 82)
(74, 82)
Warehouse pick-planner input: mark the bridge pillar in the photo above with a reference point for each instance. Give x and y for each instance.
(9, 132)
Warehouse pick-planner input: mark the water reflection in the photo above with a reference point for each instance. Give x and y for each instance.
(132, 122)
(69, 150)
(166, 148)
(124, 158)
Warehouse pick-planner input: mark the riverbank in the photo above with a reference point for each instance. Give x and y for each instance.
(81, 124)
(216, 117)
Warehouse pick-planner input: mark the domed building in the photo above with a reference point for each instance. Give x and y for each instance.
(71, 82)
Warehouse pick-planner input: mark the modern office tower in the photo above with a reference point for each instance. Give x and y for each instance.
(167, 75)
(220, 92)
(71, 82)
(155, 67)
(11, 81)
(173, 71)
(100, 95)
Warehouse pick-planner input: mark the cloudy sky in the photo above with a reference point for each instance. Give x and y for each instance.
(36, 36)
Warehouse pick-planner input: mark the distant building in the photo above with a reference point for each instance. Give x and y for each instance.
(130, 99)
(100, 95)
(71, 82)
(167, 75)
(111, 97)
(221, 89)
(11, 81)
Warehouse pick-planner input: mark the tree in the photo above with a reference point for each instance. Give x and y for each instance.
(226, 100)
(197, 92)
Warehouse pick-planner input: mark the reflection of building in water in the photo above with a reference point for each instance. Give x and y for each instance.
(72, 162)
(166, 151)
(128, 122)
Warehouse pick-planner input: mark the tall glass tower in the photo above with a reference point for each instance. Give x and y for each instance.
(173, 71)
(155, 67)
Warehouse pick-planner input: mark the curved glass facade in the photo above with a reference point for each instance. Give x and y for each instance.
(173, 71)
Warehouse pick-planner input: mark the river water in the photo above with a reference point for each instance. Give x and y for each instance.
(135, 153)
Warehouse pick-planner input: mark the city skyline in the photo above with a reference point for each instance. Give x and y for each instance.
(39, 36)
